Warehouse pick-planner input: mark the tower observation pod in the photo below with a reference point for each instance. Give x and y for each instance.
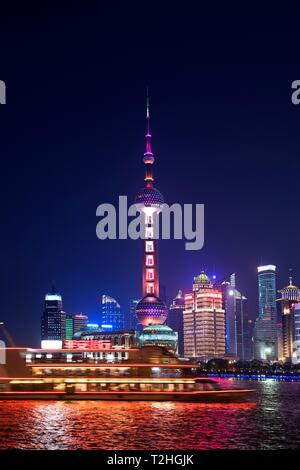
(149, 200)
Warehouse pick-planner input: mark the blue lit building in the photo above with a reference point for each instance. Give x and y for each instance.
(112, 318)
(265, 328)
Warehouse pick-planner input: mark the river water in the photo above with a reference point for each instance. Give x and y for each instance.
(271, 420)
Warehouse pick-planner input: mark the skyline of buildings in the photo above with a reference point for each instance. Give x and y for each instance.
(287, 317)
(210, 321)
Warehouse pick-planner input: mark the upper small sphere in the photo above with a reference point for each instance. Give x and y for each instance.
(149, 197)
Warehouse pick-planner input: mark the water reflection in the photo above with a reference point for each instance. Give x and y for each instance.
(271, 421)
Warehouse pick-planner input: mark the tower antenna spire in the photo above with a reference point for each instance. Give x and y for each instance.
(148, 107)
(148, 155)
(148, 134)
(291, 276)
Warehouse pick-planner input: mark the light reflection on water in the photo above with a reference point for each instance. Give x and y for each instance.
(271, 420)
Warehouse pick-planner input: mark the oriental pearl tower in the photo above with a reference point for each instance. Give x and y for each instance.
(151, 309)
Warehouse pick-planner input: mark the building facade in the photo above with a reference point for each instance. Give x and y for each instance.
(112, 317)
(53, 322)
(204, 320)
(229, 305)
(133, 322)
(239, 327)
(244, 329)
(296, 353)
(175, 319)
(69, 327)
(265, 328)
(290, 296)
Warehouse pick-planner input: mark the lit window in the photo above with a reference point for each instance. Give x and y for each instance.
(150, 274)
(149, 246)
(150, 288)
(149, 232)
(149, 260)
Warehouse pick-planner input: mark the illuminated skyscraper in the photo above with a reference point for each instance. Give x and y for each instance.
(296, 352)
(175, 319)
(53, 324)
(238, 325)
(290, 296)
(204, 320)
(265, 328)
(111, 316)
(229, 305)
(150, 309)
(80, 321)
(75, 323)
(244, 328)
(133, 323)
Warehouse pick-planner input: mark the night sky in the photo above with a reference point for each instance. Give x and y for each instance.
(225, 133)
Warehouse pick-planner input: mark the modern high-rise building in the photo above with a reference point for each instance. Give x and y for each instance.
(53, 324)
(175, 319)
(133, 323)
(238, 325)
(149, 201)
(265, 328)
(290, 296)
(112, 317)
(244, 329)
(80, 321)
(204, 320)
(75, 323)
(229, 305)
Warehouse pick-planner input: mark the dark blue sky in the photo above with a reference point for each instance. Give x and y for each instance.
(225, 133)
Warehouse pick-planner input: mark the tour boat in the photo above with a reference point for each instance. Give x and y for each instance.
(150, 373)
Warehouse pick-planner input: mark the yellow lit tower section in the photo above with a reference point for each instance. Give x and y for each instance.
(150, 310)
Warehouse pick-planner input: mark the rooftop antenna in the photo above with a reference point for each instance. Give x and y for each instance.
(290, 276)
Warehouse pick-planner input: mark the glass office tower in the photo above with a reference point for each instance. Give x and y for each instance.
(265, 328)
(53, 324)
(111, 316)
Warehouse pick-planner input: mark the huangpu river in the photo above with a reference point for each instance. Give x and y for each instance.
(271, 420)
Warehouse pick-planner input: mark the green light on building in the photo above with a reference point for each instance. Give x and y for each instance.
(69, 327)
